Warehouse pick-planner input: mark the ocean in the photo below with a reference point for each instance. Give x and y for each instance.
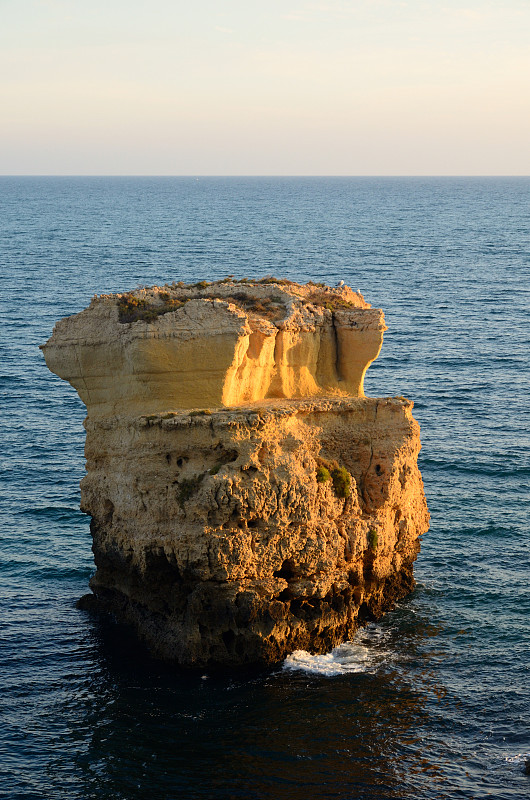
(429, 703)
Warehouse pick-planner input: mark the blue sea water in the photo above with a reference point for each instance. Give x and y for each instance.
(433, 701)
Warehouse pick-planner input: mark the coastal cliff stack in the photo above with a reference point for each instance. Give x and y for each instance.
(246, 499)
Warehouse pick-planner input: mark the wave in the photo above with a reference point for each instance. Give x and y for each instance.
(522, 760)
(55, 513)
(472, 468)
(346, 659)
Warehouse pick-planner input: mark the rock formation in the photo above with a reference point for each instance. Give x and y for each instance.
(246, 499)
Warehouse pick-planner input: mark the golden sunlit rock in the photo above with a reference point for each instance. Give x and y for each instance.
(246, 499)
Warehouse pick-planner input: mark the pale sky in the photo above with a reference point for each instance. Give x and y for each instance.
(268, 87)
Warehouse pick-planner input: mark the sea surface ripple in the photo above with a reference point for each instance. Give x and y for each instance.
(432, 702)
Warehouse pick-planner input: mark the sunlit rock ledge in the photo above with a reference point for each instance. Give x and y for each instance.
(246, 499)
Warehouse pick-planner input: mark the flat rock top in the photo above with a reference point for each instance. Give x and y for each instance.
(275, 300)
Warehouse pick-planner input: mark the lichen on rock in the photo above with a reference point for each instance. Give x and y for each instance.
(246, 499)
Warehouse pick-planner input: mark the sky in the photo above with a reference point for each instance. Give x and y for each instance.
(264, 87)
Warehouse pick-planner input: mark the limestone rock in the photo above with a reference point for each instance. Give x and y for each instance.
(225, 534)
(222, 344)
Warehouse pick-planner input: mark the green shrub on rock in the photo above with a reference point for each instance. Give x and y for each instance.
(330, 470)
(323, 474)
(341, 481)
(372, 539)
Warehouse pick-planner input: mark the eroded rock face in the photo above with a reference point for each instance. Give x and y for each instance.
(220, 345)
(238, 534)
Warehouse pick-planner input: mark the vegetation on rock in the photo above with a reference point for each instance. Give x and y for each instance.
(373, 539)
(341, 482)
(132, 308)
(330, 470)
(149, 308)
(323, 474)
(188, 487)
(329, 300)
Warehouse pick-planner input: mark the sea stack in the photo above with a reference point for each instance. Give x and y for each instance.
(246, 499)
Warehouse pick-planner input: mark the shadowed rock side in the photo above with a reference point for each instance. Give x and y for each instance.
(240, 534)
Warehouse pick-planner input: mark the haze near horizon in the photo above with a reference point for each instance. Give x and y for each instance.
(371, 87)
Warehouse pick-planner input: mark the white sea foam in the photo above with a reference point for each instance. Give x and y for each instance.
(347, 658)
(520, 758)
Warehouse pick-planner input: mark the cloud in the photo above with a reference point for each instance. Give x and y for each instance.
(223, 30)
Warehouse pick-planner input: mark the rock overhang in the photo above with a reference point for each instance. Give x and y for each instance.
(218, 344)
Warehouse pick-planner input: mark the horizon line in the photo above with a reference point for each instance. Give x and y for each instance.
(198, 175)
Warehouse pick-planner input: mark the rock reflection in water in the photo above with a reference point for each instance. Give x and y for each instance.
(154, 733)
